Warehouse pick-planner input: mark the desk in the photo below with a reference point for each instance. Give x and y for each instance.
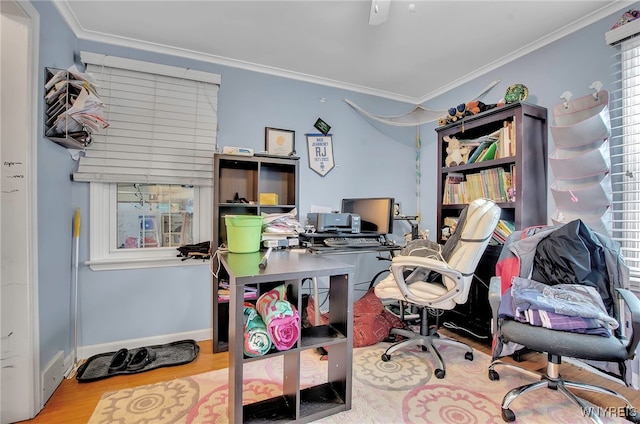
(296, 404)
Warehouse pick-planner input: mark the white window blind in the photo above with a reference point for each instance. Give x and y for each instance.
(625, 154)
(162, 123)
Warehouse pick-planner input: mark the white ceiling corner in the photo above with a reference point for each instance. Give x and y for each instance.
(412, 56)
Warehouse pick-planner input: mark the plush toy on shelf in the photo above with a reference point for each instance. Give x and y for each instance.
(457, 154)
(465, 109)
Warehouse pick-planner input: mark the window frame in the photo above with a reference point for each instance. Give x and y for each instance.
(623, 141)
(103, 252)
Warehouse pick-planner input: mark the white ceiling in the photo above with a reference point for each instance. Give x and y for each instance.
(412, 56)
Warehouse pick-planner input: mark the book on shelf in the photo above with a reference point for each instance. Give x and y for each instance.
(489, 153)
(493, 183)
(506, 141)
(453, 188)
(473, 157)
(499, 144)
(502, 231)
(224, 291)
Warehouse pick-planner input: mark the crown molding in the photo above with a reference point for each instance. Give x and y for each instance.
(84, 34)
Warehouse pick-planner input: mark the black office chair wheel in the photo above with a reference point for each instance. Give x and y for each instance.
(439, 373)
(385, 357)
(493, 375)
(508, 415)
(631, 415)
(468, 356)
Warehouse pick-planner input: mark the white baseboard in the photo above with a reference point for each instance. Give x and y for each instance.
(52, 376)
(85, 352)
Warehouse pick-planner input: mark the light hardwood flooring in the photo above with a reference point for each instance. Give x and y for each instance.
(74, 402)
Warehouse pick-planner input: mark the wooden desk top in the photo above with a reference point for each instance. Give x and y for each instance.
(282, 265)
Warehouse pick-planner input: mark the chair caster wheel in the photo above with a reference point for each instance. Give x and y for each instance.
(631, 415)
(385, 357)
(468, 356)
(439, 373)
(508, 415)
(493, 375)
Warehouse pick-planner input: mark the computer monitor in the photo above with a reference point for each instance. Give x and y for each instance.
(376, 213)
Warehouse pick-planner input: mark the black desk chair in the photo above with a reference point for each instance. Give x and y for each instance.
(511, 334)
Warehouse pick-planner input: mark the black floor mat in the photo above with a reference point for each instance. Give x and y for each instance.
(167, 355)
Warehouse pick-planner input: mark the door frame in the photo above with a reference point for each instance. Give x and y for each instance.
(25, 395)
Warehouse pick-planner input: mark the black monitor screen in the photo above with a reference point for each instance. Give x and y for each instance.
(376, 214)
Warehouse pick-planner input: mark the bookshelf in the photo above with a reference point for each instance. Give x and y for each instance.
(238, 182)
(519, 162)
(514, 174)
(525, 162)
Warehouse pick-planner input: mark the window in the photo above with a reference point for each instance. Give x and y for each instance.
(151, 170)
(106, 239)
(625, 154)
(153, 215)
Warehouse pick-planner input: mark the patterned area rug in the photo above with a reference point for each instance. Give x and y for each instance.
(403, 390)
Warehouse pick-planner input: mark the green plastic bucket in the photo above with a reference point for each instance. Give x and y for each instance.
(243, 233)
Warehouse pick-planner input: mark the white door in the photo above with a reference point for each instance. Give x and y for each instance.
(19, 346)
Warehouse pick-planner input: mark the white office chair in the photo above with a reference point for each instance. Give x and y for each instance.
(439, 280)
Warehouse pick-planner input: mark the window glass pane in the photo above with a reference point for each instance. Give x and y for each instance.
(625, 158)
(154, 215)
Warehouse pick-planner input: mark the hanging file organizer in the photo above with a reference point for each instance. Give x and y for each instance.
(581, 162)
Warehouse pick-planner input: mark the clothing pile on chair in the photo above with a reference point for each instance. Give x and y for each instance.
(568, 307)
(565, 254)
(551, 260)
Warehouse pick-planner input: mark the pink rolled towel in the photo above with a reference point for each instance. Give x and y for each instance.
(280, 316)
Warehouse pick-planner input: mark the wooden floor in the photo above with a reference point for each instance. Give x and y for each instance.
(74, 402)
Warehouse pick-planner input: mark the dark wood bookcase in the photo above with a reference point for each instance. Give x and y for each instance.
(246, 177)
(530, 162)
(529, 208)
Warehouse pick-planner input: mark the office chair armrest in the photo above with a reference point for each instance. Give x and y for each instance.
(399, 263)
(633, 304)
(495, 287)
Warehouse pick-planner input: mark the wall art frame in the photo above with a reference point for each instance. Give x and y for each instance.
(279, 142)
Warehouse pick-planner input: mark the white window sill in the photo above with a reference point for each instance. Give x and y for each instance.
(116, 264)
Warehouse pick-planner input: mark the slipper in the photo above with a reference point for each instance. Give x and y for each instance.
(141, 358)
(137, 360)
(119, 361)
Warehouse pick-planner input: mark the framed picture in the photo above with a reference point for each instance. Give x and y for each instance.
(279, 142)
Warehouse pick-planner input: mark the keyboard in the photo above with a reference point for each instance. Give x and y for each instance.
(351, 242)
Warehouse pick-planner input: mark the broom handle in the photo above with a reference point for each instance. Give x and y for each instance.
(76, 236)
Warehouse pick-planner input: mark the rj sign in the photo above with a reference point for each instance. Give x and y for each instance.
(320, 148)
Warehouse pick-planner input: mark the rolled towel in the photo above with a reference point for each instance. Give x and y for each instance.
(280, 316)
(257, 341)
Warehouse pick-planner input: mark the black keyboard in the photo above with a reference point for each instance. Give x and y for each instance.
(351, 242)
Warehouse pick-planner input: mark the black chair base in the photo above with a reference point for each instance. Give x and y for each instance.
(552, 380)
(428, 338)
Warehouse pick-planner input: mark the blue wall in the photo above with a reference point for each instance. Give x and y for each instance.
(370, 161)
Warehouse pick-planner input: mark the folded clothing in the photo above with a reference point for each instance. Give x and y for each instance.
(566, 299)
(280, 316)
(257, 341)
(549, 319)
